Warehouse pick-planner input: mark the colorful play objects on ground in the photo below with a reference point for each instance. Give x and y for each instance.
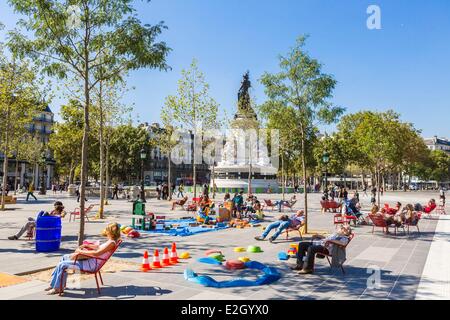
(254, 249)
(218, 256)
(239, 249)
(269, 276)
(234, 264)
(128, 231)
(209, 260)
(292, 252)
(156, 264)
(173, 254)
(209, 252)
(244, 259)
(145, 264)
(283, 256)
(185, 255)
(185, 227)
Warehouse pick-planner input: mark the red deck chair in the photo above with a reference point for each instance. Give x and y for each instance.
(378, 221)
(76, 212)
(328, 255)
(327, 205)
(340, 219)
(289, 205)
(101, 262)
(415, 224)
(192, 205)
(300, 229)
(269, 203)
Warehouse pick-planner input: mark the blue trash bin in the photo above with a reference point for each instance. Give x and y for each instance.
(48, 233)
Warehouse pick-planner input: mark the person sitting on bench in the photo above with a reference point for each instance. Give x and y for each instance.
(31, 224)
(180, 203)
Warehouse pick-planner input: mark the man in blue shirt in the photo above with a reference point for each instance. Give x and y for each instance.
(282, 224)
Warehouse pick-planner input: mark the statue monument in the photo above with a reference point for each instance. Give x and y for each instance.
(241, 154)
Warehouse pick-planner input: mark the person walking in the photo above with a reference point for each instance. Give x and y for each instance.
(180, 190)
(79, 194)
(30, 191)
(158, 191)
(206, 190)
(442, 195)
(116, 192)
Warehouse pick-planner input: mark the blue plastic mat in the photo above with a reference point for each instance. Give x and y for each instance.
(184, 229)
(269, 276)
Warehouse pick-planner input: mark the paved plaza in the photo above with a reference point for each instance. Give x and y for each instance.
(378, 266)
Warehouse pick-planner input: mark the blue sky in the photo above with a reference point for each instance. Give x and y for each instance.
(405, 66)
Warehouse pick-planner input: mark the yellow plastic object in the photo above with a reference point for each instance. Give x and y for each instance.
(185, 255)
(244, 259)
(127, 230)
(294, 245)
(239, 249)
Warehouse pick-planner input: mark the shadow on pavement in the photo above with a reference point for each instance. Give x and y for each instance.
(120, 292)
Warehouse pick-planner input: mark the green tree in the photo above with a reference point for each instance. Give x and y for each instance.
(20, 101)
(334, 146)
(66, 139)
(192, 109)
(381, 143)
(127, 142)
(440, 166)
(303, 86)
(90, 40)
(106, 108)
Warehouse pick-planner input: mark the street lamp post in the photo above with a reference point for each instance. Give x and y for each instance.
(43, 188)
(143, 155)
(326, 160)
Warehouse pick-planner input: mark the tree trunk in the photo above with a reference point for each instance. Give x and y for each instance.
(5, 175)
(108, 178)
(84, 148)
(304, 176)
(5, 163)
(71, 172)
(169, 176)
(378, 186)
(102, 156)
(282, 177)
(16, 173)
(194, 178)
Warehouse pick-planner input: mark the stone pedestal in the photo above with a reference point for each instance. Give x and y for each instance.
(72, 189)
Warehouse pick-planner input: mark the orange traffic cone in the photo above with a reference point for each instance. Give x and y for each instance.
(145, 264)
(165, 260)
(156, 263)
(173, 254)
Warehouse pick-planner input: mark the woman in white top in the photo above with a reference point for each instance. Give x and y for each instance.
(89, 264)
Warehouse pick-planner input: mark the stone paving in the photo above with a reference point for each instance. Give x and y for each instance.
(397, 261)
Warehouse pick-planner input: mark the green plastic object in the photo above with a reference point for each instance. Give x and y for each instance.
(219, 257)
(254, 249)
